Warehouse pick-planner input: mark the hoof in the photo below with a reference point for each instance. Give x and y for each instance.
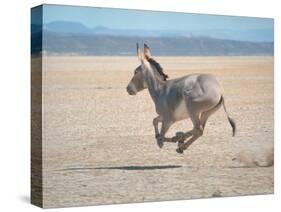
(181, 145)
(180, 151)
(179, 134)
(160, 143)
(178, 137)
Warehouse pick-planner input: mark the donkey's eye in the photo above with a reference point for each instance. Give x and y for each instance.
(136, 71)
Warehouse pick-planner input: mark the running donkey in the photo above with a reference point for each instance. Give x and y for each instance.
(195, 96)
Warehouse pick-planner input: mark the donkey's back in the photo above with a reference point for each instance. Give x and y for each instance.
(189, 82)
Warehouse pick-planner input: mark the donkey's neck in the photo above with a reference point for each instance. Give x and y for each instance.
(154, 85)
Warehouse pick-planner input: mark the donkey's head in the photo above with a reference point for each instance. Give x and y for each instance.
(138, 82)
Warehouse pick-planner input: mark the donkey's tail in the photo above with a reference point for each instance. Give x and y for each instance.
(231, 121)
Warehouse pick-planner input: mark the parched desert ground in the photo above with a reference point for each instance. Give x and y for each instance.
(99, 145)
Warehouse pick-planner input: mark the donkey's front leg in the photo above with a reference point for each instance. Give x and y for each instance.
(164, 128)
(155, 124)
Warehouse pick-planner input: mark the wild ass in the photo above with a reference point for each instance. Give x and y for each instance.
(195, 96)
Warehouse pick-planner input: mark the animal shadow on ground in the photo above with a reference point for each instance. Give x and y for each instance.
(129, 168)
(132, 168)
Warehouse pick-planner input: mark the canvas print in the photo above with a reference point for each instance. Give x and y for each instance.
(137, 106)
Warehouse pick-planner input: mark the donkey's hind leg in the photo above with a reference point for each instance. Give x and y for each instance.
(155, 124)
(205, 115)
(196, 132)
(199, 100)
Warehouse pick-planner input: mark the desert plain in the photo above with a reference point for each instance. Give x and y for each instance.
(99, 145)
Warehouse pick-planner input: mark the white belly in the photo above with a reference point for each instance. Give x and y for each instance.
(181, 112)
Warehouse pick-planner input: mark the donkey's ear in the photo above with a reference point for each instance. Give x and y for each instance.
(147, 53)
(139, 53)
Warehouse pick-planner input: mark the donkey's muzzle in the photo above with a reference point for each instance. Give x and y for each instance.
(130, 90)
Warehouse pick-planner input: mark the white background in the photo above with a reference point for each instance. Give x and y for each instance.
(15, 102)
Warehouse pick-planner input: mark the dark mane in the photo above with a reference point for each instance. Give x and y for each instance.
(158, 68)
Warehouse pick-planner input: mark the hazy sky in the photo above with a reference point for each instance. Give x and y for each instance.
(148, 20)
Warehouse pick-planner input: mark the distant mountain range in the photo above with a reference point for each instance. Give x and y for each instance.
(253, 35)
(74, 38)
